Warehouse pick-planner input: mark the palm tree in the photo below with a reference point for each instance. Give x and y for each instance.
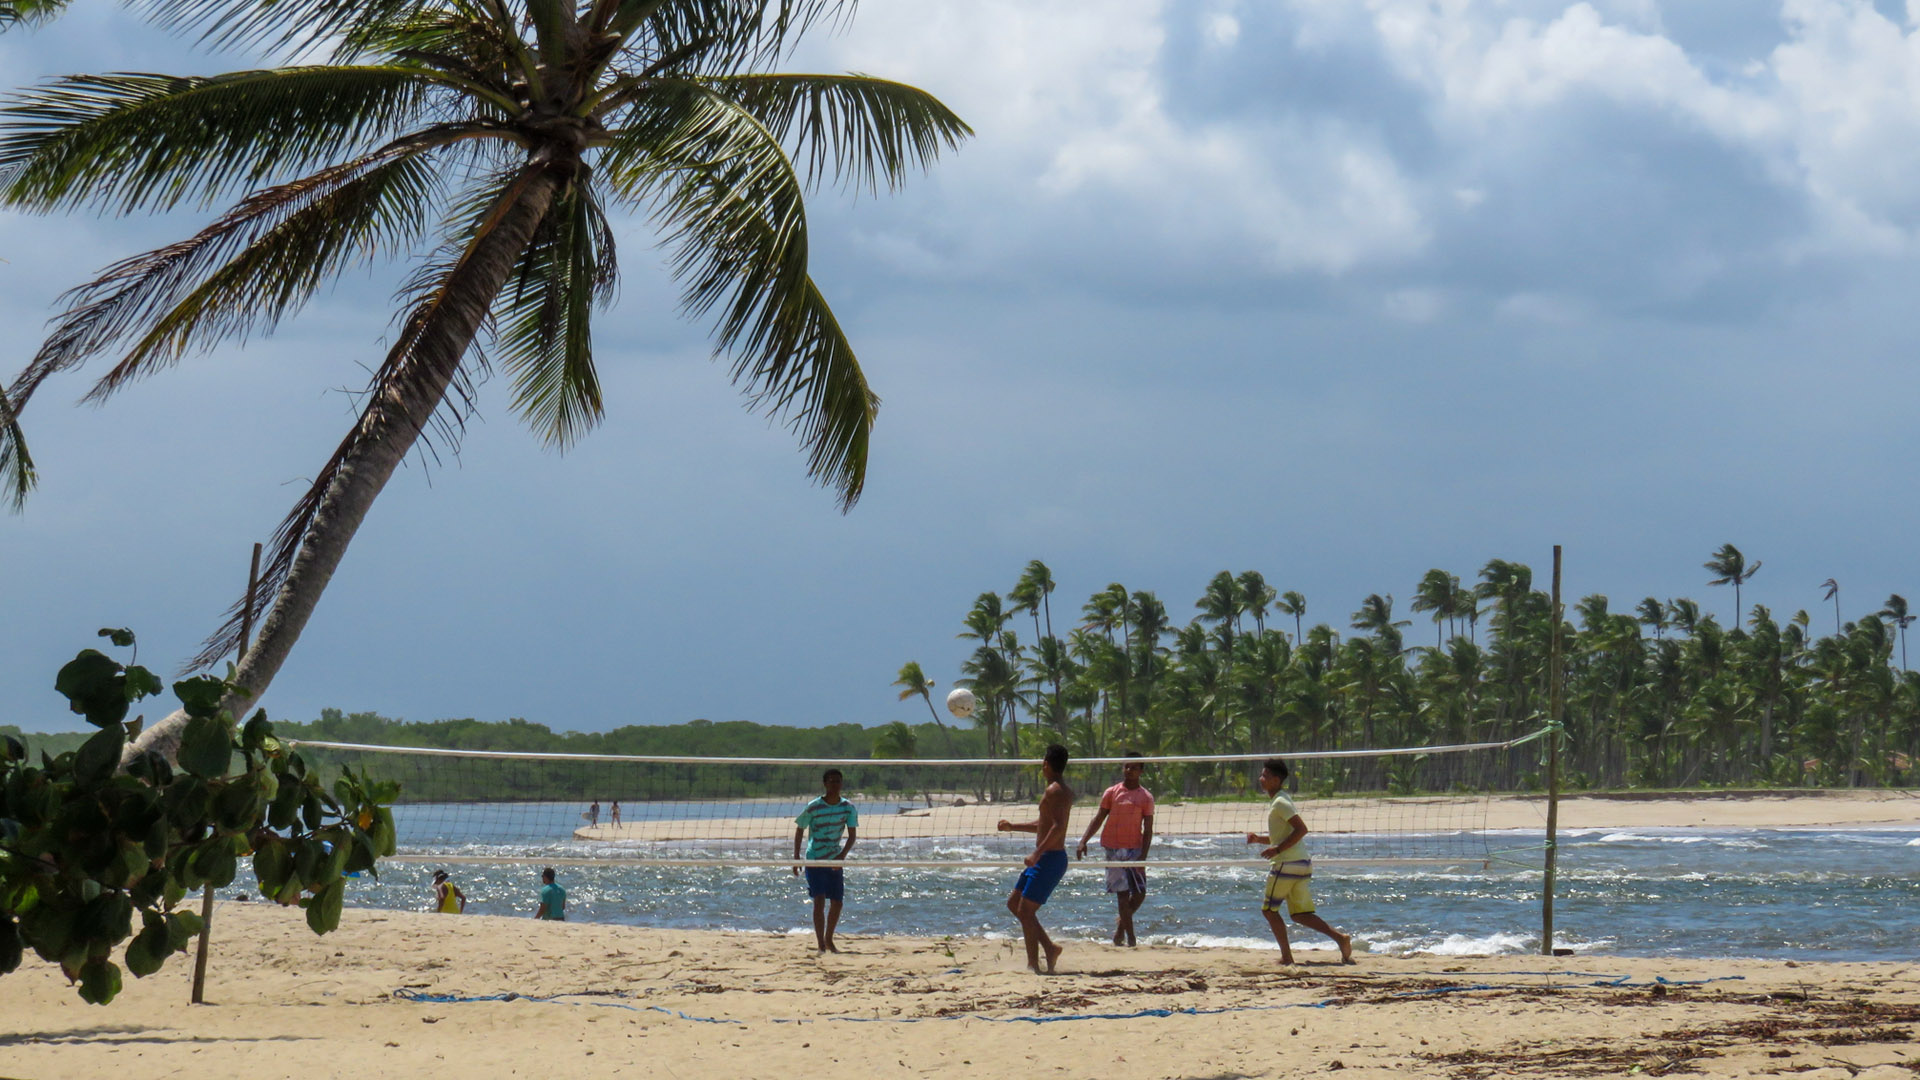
(913, 682)
(1220, 605)
(1294, 604)
(1255, 597)
(1896, 613)
(1436, 593)
(1833, 594)
(494, 135)
(1376, 617)
(1733, 570)
(1654, 615)
(1032, 594)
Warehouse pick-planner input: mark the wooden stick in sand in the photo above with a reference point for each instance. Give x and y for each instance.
(206, 894)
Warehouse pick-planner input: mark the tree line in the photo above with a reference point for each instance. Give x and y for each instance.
(1659, 695)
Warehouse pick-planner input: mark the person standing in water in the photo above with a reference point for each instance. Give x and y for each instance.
(1047, 863)
(553, 898)
(447, 897)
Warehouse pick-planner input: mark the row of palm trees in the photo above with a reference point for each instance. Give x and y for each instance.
(1661, 695)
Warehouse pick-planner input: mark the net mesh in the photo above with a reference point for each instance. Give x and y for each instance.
(1415, 804)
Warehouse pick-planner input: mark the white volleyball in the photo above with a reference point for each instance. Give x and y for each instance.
(960, 702)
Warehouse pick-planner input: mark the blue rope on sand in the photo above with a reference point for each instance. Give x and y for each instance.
(455, 999)
(1624, 981)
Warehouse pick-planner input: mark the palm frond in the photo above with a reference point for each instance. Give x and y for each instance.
(544, 326)
(29, 12)
(280, 24)
(723, 36)
(16, 464)
(247, 270)
(857, 129)
(133, 141)
(732, 205)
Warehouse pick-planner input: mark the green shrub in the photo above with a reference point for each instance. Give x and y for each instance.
(85, 846)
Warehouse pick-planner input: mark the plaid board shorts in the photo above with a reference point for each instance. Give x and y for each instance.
(1288, 889)
(1125, 879)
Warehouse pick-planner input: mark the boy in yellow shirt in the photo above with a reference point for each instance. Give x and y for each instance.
(1287, 882)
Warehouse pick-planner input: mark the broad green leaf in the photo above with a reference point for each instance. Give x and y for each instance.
(142, 683)
(94, 685)
(47, 930)
(258, 730)
(286, 803)
(143, 955)
(182, 926)
(122, 636)
(97, 759)
(206, 747)
(107, 917)
(214, 863)
(99, 981)
(271, 865)
(323, 909)
(201, 695)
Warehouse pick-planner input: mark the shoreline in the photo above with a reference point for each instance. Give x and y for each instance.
(604, 1000)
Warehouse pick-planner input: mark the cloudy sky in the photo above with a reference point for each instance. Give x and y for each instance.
(1337, 290)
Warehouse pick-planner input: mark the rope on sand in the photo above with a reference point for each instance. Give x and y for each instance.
(406, 994)
(1620, 981)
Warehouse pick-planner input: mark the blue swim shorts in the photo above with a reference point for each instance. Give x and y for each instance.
(1037, 881)
(826, 883)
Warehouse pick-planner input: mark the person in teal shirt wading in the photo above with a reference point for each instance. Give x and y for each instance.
(553, 898)
(826, 819)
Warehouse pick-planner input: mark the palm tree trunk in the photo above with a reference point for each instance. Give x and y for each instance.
(388, 429)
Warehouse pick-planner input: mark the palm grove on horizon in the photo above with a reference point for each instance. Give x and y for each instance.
(1664, 696)
(493, 137)
(1661, 696)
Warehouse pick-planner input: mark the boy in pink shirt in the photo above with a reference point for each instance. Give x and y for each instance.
(1127, 811)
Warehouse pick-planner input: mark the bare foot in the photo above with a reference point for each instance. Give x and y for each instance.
(1118, 938)
(1286, 959)
(1346, 947)
(1053, 956)
(831, 947)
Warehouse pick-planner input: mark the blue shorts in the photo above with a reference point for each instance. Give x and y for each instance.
(1037, 881)
(826, 883)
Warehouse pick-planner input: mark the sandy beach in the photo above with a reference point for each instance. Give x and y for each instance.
(1732, 809)
(641, 1002)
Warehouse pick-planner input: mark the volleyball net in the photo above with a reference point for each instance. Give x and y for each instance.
(1409, 804)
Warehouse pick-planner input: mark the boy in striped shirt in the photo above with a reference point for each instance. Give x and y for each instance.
(826, 818)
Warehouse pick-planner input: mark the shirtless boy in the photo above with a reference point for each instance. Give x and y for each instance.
(1046, 863)
(1288, 892)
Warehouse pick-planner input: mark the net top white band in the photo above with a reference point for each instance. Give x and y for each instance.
(642, 759)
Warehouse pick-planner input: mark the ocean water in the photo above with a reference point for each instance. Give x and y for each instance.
(1826, 894)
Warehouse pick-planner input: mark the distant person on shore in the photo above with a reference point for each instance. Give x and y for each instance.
(824, 822)
(1127, 810)
(447, 897)
(1288, 890)
(593, 813)
(1047, 863)
(553, 898)
(613, 813)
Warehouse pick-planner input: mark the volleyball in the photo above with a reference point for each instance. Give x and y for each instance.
(960, 703)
